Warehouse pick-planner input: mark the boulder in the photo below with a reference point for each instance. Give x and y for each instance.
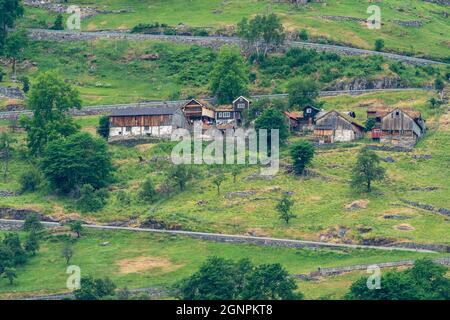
(150, 56)
(356, 205)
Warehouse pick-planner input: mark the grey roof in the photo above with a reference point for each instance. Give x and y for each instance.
(139, 111)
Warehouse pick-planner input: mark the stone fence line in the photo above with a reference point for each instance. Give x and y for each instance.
(10, 225)
(106, 109)
(211, 41)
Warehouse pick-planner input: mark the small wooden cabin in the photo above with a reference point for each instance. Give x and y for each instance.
(241, 104)
(198, 110)
(151, 121)
(397, 126)
(226, 114)
(401, 127)
(333, 127)
(293, 119)
(304, 119)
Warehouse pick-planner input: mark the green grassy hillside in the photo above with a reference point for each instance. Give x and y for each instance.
(319, 201)
(109, 72)
(428, 40)
(139, 260)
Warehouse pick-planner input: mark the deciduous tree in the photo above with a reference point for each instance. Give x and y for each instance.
(49, 100)
(367, 170)
(284, 208)
(302, 153)
(229, 78)
(77, 160)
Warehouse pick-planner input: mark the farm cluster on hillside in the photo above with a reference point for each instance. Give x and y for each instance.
(89, 119)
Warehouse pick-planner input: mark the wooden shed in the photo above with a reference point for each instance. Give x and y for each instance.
(402, 127)
(333, 127)
(152, 121)
(198, 110)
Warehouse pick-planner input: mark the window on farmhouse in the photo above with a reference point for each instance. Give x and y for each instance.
(226, 114)
(241, 105)
(128, 129)
(146, 128)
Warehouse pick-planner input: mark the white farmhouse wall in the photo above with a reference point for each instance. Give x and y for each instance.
(156, 131)
(344, 135)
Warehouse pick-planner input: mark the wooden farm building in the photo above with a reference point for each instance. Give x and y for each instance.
(397, 126)
(230, 116)
(152, 121)
(241, 104)
(304, 119)
(198, 110)
(333, 126)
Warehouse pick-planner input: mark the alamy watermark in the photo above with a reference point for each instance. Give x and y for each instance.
(74, 278)
(374, 280)
(74, 20)
(374, 21)
(235, 146)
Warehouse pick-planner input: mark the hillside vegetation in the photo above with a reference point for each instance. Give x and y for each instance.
(427, 38)
(248, 206)
(138, 260)
(111, 72)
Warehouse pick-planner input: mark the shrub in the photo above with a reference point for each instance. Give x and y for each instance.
(123, 198)
(30, 180)
(32, 223)
(103, 127)
(303, 35)
(148, 192)
(91, 199)
(25, 83)
(379, 44)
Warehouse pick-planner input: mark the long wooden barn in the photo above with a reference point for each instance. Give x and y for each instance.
(152, 121)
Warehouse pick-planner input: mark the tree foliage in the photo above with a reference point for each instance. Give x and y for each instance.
(262, 32)
(302, 92)
(94, 289)
(49, 100)
(32, 223)
(103, 127)
(229, 78)
(7, 142)
(366, 170)
(148, 192)
(180, 174)
(302, 153)
(222, 279)
(424, 281)
(379, 44)
(30, 180)
(16, 42)
(284, 208)
(77, 160)
(10, 10)
(91, 199)
(272, 118)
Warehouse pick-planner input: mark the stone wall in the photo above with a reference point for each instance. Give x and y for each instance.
(339, 270)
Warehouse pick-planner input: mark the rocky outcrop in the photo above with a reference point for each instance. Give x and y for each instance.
(22, 214)
(359, 83)
(410, 23)
(441, 2)
(11, 93)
